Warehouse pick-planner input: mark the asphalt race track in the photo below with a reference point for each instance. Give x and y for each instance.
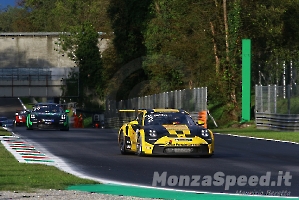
(258, 166)
(95, 152)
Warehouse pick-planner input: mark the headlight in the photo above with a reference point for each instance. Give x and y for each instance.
(205, 133)
(152, 133)
(32, 116)
(63, 116)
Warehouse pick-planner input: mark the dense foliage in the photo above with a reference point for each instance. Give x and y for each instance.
(162, 45)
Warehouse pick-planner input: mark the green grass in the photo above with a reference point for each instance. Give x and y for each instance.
(4, 132)
(15, 176)
(253, 132)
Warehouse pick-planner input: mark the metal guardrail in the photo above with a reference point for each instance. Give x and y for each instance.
(277, 122)
(191, 100)
(277, 99)
(124, 117)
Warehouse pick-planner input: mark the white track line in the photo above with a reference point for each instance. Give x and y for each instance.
(257, 138)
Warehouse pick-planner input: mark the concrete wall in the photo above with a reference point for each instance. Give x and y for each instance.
(34, 50)
(31, 52)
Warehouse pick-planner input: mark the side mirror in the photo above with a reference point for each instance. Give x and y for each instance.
(200, 123)
(135, 122)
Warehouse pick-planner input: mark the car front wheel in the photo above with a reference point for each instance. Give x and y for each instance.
(122, 143)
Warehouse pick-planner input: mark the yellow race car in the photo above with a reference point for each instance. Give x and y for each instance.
(165, 132)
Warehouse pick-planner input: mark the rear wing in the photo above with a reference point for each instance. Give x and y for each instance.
(130, 110)
(21, 111)
(129, 113)
(60, 104)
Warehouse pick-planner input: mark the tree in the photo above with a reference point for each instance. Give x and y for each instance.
(60, 15)
(15, 19)
(81, 46)
(177, 46)
(193, 44)
(80, 21)
(128, 20)
(272, 27)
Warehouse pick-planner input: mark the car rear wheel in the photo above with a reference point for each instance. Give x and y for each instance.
(122, 143)
(139, 146)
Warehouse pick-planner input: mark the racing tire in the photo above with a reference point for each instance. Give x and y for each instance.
(139, 146)
(122, 144)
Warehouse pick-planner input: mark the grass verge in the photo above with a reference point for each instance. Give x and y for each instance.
(253, 132)
(15, 176)
(4, 132)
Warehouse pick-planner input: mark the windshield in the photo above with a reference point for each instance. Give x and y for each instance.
(167, 118)
(47, 109)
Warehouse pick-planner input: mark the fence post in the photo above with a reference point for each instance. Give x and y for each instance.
(205, 96)
(164, 100)
(275, 99)
(284, 79)
(175, 98)
(139, 103)
(167, 100)
(289, 98)
(269, 98)
(262, 103)
(180, 99)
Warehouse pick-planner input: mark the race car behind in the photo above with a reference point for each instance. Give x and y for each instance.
(48, 116)
(20, 117)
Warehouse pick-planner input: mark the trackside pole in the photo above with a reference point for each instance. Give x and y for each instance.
(212, 119)
(246, 79)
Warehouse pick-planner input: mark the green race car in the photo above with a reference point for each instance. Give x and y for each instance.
(48, 116)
